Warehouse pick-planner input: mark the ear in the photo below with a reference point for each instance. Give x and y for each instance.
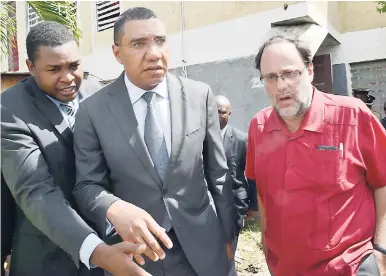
(30, 66)
(310, 70)
(115, 49)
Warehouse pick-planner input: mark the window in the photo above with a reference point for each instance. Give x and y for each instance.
(33, 17)
(107, 13)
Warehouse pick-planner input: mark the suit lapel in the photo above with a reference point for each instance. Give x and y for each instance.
(121, 108)
(177, 107)
(82, 92)
(50, 112)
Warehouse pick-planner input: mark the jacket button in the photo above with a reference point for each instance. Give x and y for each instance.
(165, 191)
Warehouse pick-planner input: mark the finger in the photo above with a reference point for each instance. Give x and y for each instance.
(148, 252)
(139, 259)
(131, 248)
(141, 250)
(134, 249)
(159, 232)
(153, 244)
(229, 251)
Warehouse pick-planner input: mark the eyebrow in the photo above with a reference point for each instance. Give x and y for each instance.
(146, 38)
(58, 65)
(284, 70)
(72, 62)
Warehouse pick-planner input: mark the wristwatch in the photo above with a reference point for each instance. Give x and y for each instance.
(380, 249)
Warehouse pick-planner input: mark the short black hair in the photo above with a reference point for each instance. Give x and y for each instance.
(47, 33)
(137, 13)
(303, 50)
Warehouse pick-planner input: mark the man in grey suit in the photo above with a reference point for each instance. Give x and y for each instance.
(244, 190)
(38, 163)
(148, 149)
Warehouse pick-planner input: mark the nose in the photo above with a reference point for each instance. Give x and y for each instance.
(153, 53)
(281, 84)
(67, 77)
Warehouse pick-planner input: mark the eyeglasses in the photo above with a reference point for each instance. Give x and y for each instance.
(141, 45)
(288, 77)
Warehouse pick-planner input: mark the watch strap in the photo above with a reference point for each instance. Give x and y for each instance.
(380, 248)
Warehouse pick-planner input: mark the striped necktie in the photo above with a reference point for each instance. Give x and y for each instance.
(69, 110)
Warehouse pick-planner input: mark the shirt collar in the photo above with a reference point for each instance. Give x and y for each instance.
(135, 93)
(312, 121)
(74, 103)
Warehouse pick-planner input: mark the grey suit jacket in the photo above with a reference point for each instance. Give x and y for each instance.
(244, 190)
(112, 162)
(38, 165)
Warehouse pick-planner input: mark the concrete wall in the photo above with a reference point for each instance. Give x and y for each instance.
(196, 14)
(360, 15)
(236, 79)
(371, 74)
(21, 20)
(343, 16)
(87, 24)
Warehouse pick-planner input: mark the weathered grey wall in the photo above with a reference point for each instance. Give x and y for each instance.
(339, 79)
(238, 80)
(371, 75)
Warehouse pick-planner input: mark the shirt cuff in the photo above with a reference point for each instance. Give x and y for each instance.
(88, 246)
(110, 229)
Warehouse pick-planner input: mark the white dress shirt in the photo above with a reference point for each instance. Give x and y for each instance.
(223, 131)
(161, 104)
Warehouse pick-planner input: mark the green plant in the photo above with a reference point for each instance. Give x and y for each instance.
(381, 8)
(63, 12)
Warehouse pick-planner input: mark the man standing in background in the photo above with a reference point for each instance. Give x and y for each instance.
(244, 190)
(363, 95)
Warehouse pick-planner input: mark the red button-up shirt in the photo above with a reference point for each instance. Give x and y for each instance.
(317, 185)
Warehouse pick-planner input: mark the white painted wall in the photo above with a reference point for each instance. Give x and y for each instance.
(225, 40)
(242, 37)
(358, 46)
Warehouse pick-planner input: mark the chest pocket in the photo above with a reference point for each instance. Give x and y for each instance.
(331, 164)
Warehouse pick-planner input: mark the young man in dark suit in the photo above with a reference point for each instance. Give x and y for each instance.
(38, 164)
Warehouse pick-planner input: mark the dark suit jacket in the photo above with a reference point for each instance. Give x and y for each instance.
(38, 165)
(384, 122)
(244, 190)
(7, 221)
(112, 162)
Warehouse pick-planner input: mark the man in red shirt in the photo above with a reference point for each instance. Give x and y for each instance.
(319, 165)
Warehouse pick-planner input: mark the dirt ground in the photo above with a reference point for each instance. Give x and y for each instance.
(249, 256)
